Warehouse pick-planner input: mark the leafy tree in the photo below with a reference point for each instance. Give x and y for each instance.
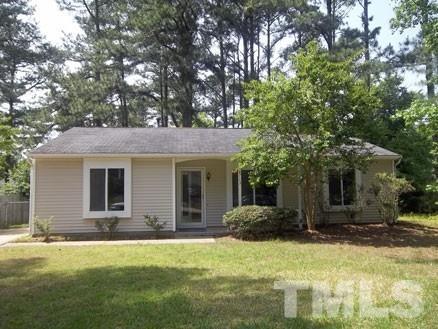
(7, 141)
(25, 59)
(421, 13)
(19, 179)
(305, 124)
(423, 116)
(387, 188)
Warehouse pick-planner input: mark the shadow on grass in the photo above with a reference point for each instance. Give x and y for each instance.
(142, 297)
(18, 267)
(404, 234)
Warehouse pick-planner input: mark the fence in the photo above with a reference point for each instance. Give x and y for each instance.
(14, 210)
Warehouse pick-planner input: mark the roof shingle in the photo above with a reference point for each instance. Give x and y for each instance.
(153, 141)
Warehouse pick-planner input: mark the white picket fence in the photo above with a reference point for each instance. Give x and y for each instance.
(14, 210)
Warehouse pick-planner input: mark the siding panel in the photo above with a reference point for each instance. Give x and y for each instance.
(59, 194)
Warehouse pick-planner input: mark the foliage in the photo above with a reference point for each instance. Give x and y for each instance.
(154, 223)
(25, 60)
(306, 124)
(19, 179)
(422, 14)
(387, 189)
(7, 142)
(252, 222)
(107, 226)
(423, 117)
(44, 226)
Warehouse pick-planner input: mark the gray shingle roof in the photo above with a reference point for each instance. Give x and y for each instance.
(153, 141)
(144, 141)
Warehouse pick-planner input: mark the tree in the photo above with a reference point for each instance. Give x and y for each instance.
(423, 116)
(422, 13)
(387, 189)
(305, 124)
(25, 58)
(19, 179)
(7, 142)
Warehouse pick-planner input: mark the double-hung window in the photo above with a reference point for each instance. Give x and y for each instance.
(244, 194)
(342, 187)
(107, 185)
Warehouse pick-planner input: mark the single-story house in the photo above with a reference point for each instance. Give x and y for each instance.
(185, 176)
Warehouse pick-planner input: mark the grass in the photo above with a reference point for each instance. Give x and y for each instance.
(224, 285)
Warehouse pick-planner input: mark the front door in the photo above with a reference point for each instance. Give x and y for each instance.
(190, 194)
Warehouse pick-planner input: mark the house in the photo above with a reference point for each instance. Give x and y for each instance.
(185, 176)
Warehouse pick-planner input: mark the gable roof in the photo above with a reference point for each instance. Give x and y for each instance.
(154, 141)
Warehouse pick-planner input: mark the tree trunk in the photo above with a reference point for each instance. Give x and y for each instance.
(268, 47)
(366, 40)
(223, 64)
(309, 198)
(430, 85)
(331, 26)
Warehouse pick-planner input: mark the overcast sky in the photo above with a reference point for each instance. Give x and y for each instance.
(55, 24)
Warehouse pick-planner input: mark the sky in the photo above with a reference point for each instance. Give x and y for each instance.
(56, 24)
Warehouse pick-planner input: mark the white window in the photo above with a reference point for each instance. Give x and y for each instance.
(107, 188)
(342, 187)
(244, 194)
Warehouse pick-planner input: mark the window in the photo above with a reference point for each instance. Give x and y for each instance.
(260, 195)
(107, 186)
(341, 187)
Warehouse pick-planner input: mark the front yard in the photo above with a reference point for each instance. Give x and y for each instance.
(224, 285)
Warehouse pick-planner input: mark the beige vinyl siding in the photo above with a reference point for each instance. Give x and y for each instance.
(290, 194)
(215, 189)
(59, 184)
(58, 194)
(369, 213)
(151, 192)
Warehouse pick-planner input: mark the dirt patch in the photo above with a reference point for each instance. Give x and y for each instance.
(403, 234)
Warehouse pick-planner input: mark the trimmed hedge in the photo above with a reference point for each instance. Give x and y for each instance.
(254, 222)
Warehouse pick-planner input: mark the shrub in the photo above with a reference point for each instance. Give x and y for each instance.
(154, 223)
(107, 225)
(44, 227)
(252, 222)
(387, 189)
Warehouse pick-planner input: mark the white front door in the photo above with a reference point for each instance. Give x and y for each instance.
(190, 195)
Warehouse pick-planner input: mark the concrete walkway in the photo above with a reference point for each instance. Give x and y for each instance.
(109, 243)
(9, 235)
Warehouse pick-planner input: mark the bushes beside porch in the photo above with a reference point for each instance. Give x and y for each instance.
(255, 222)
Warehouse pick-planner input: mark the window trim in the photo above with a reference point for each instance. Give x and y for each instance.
(355, 205)
(106, 164)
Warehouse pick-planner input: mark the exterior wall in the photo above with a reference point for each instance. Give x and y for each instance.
(215, 189)
(59, 193)
(290, 194)
(59, 185)
(369, 213)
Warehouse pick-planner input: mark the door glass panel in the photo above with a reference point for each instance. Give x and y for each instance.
(191, 197)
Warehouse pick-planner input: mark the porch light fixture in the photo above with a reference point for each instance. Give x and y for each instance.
(208, 176)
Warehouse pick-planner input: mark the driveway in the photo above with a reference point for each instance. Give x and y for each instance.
(12, 234)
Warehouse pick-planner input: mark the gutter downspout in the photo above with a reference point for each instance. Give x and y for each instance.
(32, 163)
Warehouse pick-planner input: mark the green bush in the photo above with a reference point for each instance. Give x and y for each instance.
(387, 189)
(254, 222)
(154, 223)
(44, 227)
(107, 225)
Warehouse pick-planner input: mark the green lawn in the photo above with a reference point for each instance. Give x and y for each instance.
(224, 285)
